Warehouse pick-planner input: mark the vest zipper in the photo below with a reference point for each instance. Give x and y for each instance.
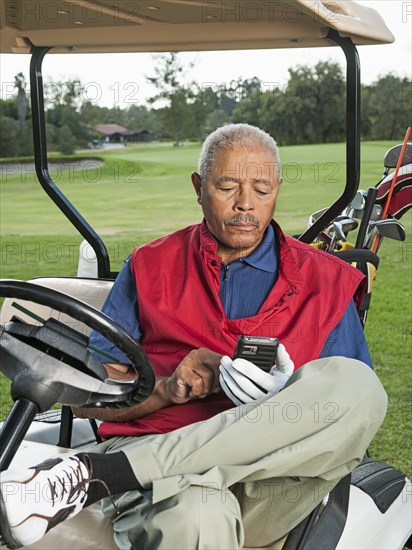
(226, 272)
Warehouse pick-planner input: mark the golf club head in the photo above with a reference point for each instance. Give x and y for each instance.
(392, 229)
(324, 240)
(348, 224)
(392, 156)
(357, 206)
(315, 216)
(358, 201)
(375, 215)
(339, 232)
(325, 237)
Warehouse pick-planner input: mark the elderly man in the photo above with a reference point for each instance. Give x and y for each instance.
(186, 468)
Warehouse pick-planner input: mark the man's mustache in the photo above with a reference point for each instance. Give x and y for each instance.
(243, 218)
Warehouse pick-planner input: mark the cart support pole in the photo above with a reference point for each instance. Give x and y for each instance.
(14, 429)
(42, 169)
(353, 113)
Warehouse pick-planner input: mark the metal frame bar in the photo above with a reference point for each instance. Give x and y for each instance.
(42, 170)
(353, 111)
(353, 93)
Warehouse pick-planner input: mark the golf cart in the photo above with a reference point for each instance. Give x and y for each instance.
(370, 509)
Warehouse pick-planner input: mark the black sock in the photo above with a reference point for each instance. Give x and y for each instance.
(111, 474)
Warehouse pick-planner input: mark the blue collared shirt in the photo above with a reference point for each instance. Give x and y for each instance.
(246, 282)
(244, 286)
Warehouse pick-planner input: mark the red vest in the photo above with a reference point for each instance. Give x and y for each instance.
(178, 280)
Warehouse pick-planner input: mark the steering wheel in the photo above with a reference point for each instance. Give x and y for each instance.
(51, 364)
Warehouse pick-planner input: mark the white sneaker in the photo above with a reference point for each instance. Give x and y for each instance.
(33, 501)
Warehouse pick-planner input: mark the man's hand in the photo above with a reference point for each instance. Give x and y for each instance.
(196, 377)
(244, 382)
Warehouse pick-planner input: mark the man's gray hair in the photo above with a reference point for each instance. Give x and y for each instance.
(230, 137)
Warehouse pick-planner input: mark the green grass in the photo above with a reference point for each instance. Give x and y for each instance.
(144, 191)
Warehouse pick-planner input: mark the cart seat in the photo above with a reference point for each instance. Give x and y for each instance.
(91, 291)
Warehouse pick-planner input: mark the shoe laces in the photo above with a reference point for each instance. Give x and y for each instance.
(72, 482)
(78, 484)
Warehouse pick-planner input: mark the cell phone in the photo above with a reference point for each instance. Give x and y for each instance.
(259, 350)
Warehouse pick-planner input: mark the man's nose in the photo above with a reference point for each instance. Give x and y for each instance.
(244, 200)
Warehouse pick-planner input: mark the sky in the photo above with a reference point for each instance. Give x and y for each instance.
(121, 78)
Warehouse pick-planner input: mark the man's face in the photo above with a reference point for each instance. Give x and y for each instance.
(238, 199)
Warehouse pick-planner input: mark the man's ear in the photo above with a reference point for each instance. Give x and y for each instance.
(197, 184)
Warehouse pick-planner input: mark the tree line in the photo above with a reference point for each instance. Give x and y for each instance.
(309, 108)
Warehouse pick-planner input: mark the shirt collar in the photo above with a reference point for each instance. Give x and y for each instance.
(264, 257)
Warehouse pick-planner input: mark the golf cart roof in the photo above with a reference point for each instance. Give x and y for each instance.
(183, 25)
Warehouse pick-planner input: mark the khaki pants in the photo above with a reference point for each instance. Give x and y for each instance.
(249, 475)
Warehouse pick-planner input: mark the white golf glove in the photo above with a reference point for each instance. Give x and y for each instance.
(244, 382)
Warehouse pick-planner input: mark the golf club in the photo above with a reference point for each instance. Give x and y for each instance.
(392, 229)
